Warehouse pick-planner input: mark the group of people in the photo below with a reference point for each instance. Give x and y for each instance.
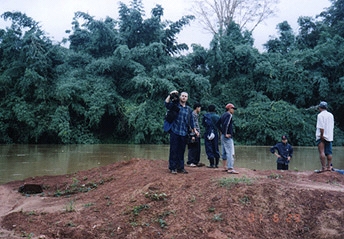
(186, 122)
(217, 128)
(324, 137)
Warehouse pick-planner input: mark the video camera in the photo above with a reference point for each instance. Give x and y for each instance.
(174, 97)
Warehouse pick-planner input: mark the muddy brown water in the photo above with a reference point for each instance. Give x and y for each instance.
(18, 162)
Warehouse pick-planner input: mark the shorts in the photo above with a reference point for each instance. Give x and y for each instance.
(328, 146)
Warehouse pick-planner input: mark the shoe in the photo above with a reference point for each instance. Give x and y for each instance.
(182, 171)
(323, 169)
(173, 171)
(319, 171)
(232, 171)
(200, 164)
(193, 165)
(211, 166)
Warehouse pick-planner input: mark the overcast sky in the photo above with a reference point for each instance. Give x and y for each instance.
(55, 16)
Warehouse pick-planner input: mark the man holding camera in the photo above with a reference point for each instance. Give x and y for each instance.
(179, 130)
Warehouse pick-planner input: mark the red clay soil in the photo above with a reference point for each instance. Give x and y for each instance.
(141, 199)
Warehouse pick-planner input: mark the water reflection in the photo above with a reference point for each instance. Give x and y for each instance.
(21, 161)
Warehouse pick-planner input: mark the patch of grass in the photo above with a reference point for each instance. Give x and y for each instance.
(156, 196)
(27, 235)
(217, 217)
(162, 222)
(166, 213)
(108, 200)
(31, 213)
(57, 193)
(161, 218)
(90, 204)
(211, 209)
(245, 200)
(275, 176)
(229, 182)
(192, 199)
(137, 209)
(333, 182)
(75, 183)
(77, 187)
(133, 224)
(70, 207)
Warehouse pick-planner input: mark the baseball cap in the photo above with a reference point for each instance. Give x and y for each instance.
(230, 105)
(284, 137)
(323, 105)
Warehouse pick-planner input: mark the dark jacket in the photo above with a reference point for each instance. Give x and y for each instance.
(284, 150)
(225, 124)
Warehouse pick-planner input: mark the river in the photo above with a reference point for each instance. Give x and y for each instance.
(18, 162)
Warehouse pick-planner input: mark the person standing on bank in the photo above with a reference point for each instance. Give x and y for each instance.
(179, 131)
(211, 136)
(284, 152)
(225, 125)
(194, 149)
(324, 136)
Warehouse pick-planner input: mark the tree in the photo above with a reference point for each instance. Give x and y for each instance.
(309, 33)
(135, 30)
(334, 17)
(262, 121)
(95, 37)
(285, 42)
(216, 15)
(27, 76)
(231, 56)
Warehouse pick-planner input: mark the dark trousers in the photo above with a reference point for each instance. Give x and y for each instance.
(177, 150)
(212, 150)
(282, 166)
(194, 152)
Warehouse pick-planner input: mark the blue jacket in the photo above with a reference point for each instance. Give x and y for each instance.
(284, 150)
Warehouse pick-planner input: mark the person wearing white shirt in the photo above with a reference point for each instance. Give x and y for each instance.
(324, 136)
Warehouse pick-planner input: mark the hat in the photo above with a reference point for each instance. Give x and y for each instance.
(323, 105)
(284, 137)
(230, 106)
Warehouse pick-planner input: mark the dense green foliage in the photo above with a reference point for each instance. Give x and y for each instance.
(110, 84)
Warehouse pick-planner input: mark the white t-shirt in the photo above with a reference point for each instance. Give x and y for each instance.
(325, 121)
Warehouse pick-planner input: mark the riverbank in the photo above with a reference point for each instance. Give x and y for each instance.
(140, 199)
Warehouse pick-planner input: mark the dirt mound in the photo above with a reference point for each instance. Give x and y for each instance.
(141, 199)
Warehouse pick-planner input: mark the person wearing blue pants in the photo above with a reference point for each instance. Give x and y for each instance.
(179, 130)
(225, 125)
(211, 136)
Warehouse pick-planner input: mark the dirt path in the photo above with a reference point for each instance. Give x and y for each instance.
(141, 199)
